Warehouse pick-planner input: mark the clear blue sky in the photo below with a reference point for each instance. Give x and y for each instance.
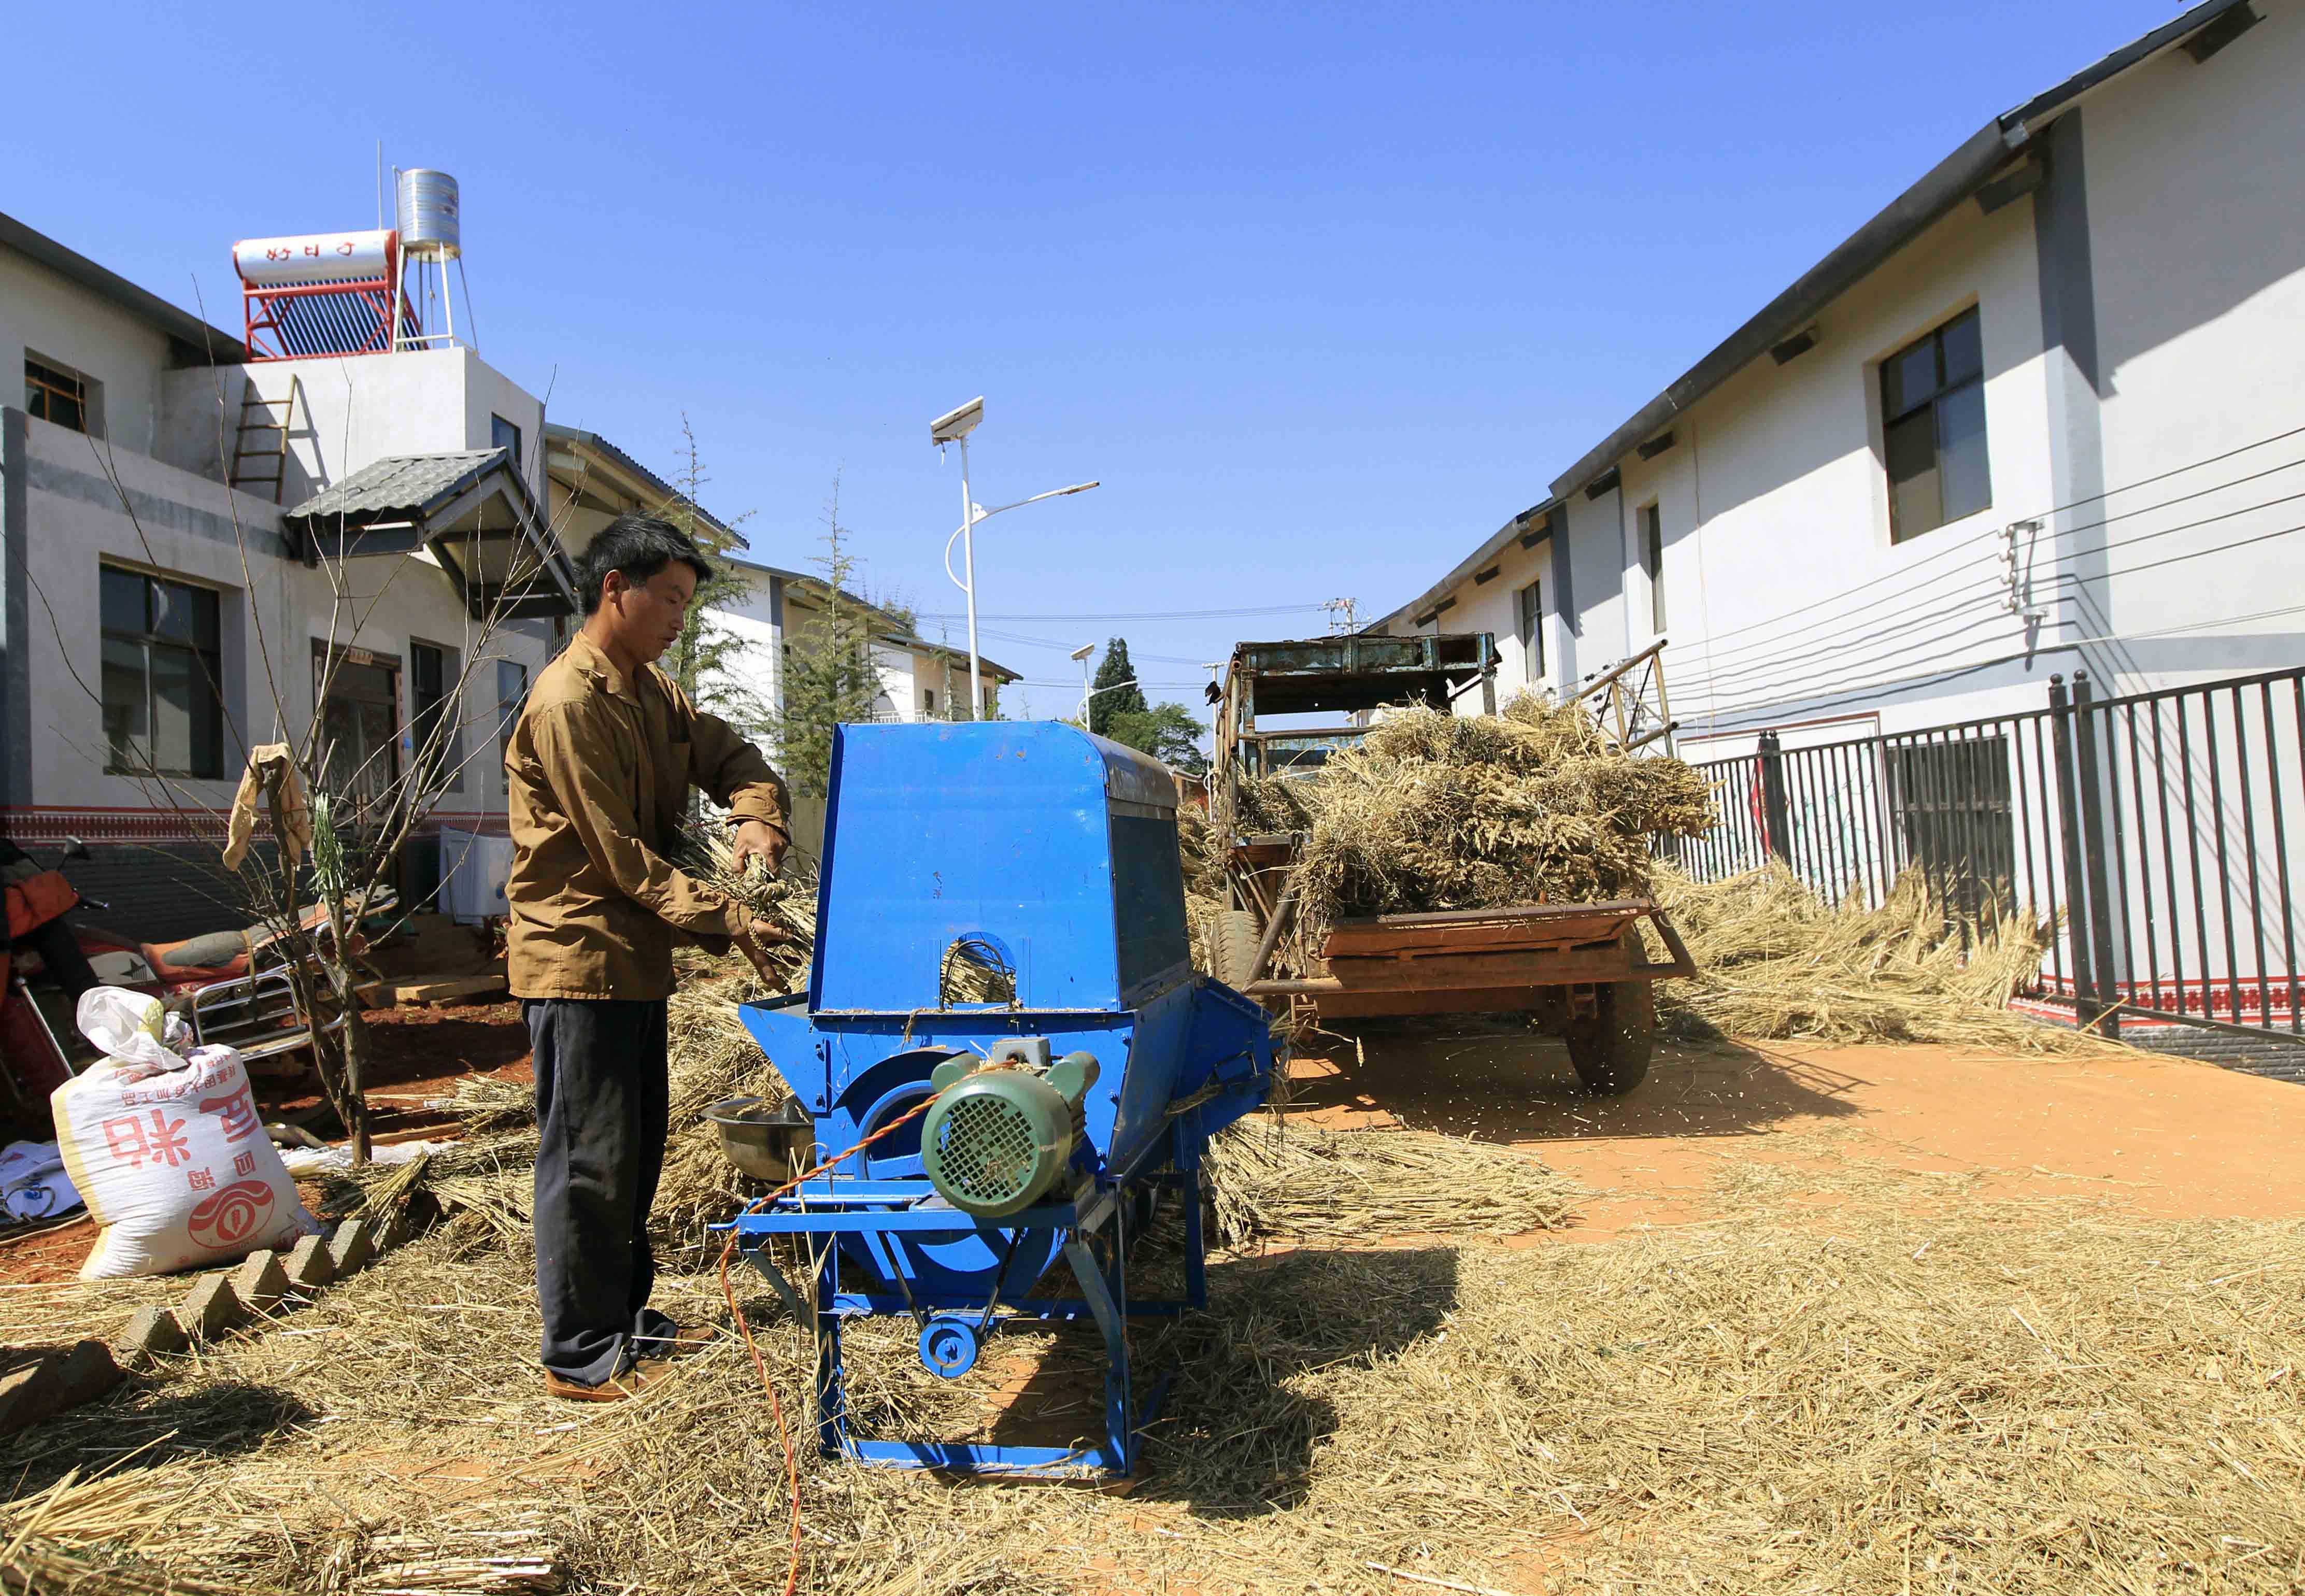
(1322, 294)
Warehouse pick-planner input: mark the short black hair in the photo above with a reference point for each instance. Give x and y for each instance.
(639, 546)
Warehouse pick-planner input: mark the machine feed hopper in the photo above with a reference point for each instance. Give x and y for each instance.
(1003, 1009)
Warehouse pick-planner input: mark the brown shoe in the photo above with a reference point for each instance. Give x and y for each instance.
(632, 1382)
(684, 1340)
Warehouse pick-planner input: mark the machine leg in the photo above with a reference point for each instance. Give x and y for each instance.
(1096, 1287)
(775, 1276)
(1196, 1246)
(831, 1394)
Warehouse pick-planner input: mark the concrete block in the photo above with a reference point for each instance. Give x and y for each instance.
(310, 1268)
(211, 1307)
(352, 1247)
(154, 1333)
(260, 1281)
(57, 1382)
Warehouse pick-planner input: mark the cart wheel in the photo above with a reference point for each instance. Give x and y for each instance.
(1237, 942)
(1611, 1050)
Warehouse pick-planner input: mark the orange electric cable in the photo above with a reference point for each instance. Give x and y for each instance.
(743, 1325)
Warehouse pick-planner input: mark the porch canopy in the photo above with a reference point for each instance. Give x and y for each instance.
(471, 510)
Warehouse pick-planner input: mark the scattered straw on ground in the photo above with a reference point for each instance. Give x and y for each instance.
(1775, 961)
(1908, 1391)
(1272, 1180)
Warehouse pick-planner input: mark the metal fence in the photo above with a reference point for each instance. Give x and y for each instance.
(2160, 824)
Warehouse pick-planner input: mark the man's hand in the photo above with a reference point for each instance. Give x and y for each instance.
(752, 939)
(757, 839)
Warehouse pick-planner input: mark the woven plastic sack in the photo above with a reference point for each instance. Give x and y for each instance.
(166, 1148)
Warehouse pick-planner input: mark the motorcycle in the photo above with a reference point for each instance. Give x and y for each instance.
(234, 988)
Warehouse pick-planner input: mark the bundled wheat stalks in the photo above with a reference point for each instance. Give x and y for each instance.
(1440, 812)
(1774, 960)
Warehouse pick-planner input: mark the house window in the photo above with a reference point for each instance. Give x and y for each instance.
(928, 703)
(433, 721)
(1932, 429)
(512, 693)
(360, 729)
(1652, 562)
(504, 435)
(163, 712)
(1528, 611)
(55, 394)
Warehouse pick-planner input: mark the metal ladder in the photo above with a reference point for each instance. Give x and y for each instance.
(241, 453)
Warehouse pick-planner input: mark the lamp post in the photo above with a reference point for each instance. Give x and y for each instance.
(1081, 654)
(953, 427)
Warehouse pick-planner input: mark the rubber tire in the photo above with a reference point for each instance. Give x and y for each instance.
(1611, 1049)
(1235, 941)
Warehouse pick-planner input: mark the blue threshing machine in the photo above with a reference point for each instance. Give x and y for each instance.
(1059, 1115)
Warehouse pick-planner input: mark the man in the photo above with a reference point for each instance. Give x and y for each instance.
(597, 777)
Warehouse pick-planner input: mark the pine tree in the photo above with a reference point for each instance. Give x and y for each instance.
(830, 678)
(1125, 697)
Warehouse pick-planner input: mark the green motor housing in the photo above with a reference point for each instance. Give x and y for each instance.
(997, 1139)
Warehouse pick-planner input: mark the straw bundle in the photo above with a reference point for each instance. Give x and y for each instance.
(1439, 812)
(1774, 960)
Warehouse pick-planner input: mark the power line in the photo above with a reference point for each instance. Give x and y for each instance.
(1158, 615)
(2040, 515)
(1785, 653)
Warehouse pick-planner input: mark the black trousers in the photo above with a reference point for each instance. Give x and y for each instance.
(601, 1108)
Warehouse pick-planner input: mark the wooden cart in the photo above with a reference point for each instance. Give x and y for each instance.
(1580, 969)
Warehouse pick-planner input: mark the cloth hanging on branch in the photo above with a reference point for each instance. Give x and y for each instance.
(271, 774)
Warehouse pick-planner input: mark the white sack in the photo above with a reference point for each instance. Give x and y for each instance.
(167, 1149)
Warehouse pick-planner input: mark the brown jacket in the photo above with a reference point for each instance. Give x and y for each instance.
(597, 777)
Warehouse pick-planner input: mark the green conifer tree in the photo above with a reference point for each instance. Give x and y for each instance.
(830, 678)
(1115, 673)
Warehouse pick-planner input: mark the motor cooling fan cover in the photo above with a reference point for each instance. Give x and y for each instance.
(996, 1141)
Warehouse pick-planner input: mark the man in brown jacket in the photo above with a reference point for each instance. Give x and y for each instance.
(597, 775)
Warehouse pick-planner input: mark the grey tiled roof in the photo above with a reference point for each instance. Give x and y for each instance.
(399, 484)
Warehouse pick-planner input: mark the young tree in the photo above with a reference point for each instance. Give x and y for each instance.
(1167, 731)
(708, 659)
(830, 676)
(1114, 691)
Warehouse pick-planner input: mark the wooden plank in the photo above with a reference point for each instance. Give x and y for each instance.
(1363, 940)
(1534, 967)
(449, 990)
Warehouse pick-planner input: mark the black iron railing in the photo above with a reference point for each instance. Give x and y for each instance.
(2159, 824)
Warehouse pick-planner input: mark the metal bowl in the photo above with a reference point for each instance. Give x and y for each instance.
(768, 1144)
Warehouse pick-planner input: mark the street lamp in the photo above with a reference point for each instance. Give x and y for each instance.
(954, 426)
(1081, 654)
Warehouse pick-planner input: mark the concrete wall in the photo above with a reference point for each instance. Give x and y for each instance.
(52, 317)
(354, 409)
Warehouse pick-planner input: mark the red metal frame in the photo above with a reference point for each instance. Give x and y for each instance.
(376, 294)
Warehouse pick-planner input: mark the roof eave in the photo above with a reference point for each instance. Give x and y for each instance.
(208, 345)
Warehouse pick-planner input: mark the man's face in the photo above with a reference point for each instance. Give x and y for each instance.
(649, 616)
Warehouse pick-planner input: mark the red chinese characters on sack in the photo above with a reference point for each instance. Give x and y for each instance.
(244, 1163)
(236, 1111)
(200, 1180)
(233, 1215)
(135, 1144)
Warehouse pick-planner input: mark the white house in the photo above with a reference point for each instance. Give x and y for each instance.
(164, 494)
(919, 680)
(2043, 411)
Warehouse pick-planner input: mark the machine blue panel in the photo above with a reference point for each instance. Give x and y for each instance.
(997, 829)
